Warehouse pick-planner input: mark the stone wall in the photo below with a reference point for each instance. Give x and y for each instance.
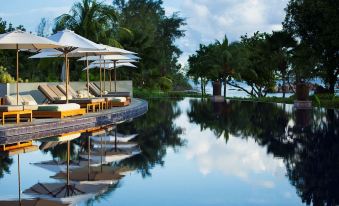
(32, 88)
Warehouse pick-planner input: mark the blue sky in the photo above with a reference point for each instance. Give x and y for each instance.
(207, 19)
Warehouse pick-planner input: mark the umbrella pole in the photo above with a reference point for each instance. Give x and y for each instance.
(87, 71)
(110, 80)
(115, 77)
(104, 76)
(17, 74)
(102, 153)
(89, 156)
(100, 79)
(68, 151)
(115, 139)
(19, 179)
(66, 68)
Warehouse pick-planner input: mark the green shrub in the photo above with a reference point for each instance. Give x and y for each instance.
(165, 84)
(5, 77)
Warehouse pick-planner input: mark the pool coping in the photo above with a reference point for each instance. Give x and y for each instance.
(53, 127)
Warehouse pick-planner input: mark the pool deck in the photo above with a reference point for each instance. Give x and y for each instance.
(39, 128)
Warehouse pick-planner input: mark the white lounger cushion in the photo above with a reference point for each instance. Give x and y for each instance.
(119, 99)
(59, 107)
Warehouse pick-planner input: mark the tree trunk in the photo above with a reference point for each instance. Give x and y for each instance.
(202, 86)
(216, 88)
(225, 83)
(302, 92)
(284, 86)
(332, 83)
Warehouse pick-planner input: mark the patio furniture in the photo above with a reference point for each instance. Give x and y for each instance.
(101, 103)
(14, 111)
(28, 103)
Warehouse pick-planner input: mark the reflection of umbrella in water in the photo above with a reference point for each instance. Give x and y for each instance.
(111, 145)
(120, 138)
(66, 192)
(69, 194)
(57, 165)
(104, 175)
(32, 202)
(18, 152)
(104, 157)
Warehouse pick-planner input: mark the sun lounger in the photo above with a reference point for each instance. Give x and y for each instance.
(114, 101)
(112, 94)
(85, 101)
(59, 98)
(15, 111)
(27, 102)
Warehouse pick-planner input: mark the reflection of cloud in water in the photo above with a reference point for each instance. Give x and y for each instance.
(241, 158)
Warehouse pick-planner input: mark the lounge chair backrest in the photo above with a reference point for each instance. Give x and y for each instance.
(96, 85)
(94, 90)
(28, 100)
(71, 91)
(23, 100)
(48, 93)
(59, 93)
(11, 100)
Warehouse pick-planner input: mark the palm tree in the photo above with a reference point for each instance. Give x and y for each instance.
(94, 20)
(280, 43)
(220, 59)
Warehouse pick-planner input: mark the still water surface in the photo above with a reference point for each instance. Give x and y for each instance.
(195, 152)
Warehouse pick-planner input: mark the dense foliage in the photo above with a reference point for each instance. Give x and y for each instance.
(138, 25)
(305, 49)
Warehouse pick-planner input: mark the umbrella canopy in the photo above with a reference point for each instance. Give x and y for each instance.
(20, 40)
(117, 50)
(109, 66)
(115, 57)
(75, 43)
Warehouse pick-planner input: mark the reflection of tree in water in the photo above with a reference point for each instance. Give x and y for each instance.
(156, 133)
(5, 164)
(60, 151)
(314, 168)
(309, 146)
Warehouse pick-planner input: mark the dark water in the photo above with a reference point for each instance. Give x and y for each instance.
(201, 153)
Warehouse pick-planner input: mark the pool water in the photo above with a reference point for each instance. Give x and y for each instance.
(195, 152)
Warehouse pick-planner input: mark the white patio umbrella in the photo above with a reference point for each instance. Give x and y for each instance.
(20, 40)
(92, 53)
(75, 43)
(115, 59)
(109, 66)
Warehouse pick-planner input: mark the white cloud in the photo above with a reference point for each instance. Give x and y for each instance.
(240, 158)
(210, 20)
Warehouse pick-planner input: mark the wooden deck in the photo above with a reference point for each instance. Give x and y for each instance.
(39, 128)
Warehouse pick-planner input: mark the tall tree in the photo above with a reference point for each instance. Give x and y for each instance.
(153, 38)
(91, 19)
(254, 66)
(281, 44)
(316, 24)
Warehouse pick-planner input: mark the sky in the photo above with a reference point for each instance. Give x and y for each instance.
(207, 20)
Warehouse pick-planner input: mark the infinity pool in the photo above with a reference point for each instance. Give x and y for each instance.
(194, 152)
